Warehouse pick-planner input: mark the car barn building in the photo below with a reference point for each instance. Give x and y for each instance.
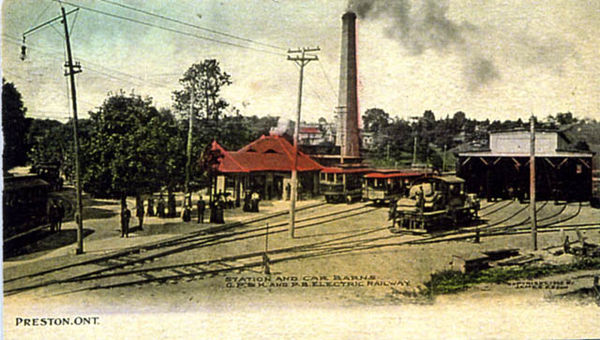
(502, 171)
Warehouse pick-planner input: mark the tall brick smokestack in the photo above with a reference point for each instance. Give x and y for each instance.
(347, 109)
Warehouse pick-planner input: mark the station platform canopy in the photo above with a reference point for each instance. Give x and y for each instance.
(268, 153)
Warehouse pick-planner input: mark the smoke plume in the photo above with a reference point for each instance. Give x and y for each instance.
(283, 125)
(423, 25)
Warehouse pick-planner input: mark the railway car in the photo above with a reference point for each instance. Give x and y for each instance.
(595, 192)
(384, 186)
(24, 204)
(339, 184)
(49, 172)
(434, 202)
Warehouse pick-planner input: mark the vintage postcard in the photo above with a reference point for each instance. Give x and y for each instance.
(301, 169)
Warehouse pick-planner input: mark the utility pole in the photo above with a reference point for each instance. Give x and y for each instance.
(301, 61)
(415, 150)
(444, 159)
(415, 120)
(387, 153)
(532, 213)
(72, 70)
(188, 163)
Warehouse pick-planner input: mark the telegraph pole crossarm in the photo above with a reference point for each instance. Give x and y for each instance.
(301, 61)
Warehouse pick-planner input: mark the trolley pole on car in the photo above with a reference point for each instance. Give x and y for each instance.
(72, 70)
(301, 61)
(532, 213)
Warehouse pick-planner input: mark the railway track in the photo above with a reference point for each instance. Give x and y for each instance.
(244, 262)
(127, 271)
(173, 241)
(144, 255)
(493, 205)
(210, 267)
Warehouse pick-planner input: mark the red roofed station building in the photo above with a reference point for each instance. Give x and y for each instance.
(265, 166)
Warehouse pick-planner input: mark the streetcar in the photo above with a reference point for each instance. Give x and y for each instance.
(384, 186)
(434, 202)
(49, 172)
(24, 204)
(342, 184)
(595, 201)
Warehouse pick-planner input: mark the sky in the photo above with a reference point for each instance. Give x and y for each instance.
(496, 59)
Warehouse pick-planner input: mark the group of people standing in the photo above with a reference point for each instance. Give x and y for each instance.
(163, 209)
(139, 213)
(167, 209)
(251, 200)
(56, 213)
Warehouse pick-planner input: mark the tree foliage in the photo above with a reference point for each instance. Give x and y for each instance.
(205, 80)
(128, 151)
(14, 126)
(375, 120)
(51, 142)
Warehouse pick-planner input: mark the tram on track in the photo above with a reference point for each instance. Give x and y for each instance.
(341, 184)
(434, 202)
(24, 204)
(384, 186)
(595, 201)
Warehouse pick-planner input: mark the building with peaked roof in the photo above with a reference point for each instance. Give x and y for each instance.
(502, 170)
(265, 166)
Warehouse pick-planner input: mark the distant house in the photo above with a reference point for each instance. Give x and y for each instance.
(367, 139)
(265, 166)
(502, 171)
(312, 134)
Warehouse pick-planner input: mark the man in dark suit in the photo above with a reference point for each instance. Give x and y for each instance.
(201, 205)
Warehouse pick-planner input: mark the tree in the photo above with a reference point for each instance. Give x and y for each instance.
(131, 148)
(50, 141)
(375, 120)
(205, 80)
(14, 126)
(201, 98)
(428, 119)
(172, 160)
(458, 120)
(565, 118)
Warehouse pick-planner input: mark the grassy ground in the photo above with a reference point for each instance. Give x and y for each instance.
(448, 281)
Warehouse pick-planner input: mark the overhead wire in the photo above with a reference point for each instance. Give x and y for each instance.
(40, 15)
(120, 17)
(144, 23)
(193, 25)
(73, 23)
(314, 91)
(57, 31)
(327, 78)
(54, 53)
